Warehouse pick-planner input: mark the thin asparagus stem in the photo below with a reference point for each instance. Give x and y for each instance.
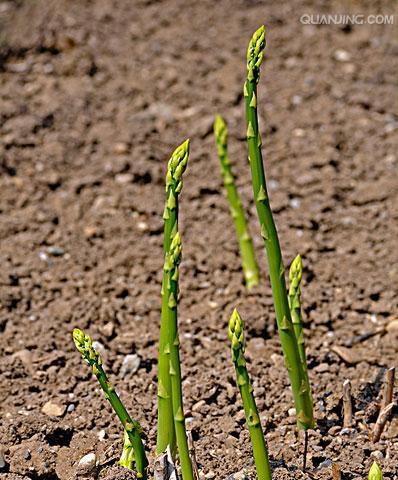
(260, 452)
(166, 431)
(171, 264)
(375, 472)
(84, 345)
(301, 394)
(295, 277)
(249, 264)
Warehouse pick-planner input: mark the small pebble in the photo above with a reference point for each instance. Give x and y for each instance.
(101, 435)
(123, 178)
(299, 132)
(342, 55)
(130, 365)
(142, 226)
(325, 464)
(87, 464)
(71, 408)
(377, 455)
(291, 412)
(53, 409)
(120, 148)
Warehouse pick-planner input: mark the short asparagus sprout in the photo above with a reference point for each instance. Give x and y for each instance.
(171, 420)
(249, 264)
(298, 378)
(260, 452)
(132, 428)
(375, 472)
(295, 276)
(166, 435)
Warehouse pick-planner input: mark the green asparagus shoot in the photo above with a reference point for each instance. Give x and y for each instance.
(260, 452)
(249, 264)
(301, 392)
(171, 420)
(375, 472)
(295, 276)
(166, 431)
(171, 274)
(84, 345)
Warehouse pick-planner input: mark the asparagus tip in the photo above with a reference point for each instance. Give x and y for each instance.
(84, 345)
(236, 331)
(255, 54)
(220, 130)
(296, 269)
(375, 472)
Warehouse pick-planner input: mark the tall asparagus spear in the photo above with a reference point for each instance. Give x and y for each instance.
(301, 392)
(172, 262)
(249, 264)
(166, 430)
(260, 453)
(132, 427)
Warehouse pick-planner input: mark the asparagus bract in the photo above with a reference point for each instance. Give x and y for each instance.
(260, 453)
(166, 430)
(249, 264)
(290, 349)
(127, 456)
(133, 429)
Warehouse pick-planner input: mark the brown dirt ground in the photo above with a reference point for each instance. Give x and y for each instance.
(94, 97)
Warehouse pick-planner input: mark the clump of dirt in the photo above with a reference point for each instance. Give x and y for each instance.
(95, 96)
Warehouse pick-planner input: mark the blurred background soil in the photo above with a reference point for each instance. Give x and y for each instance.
(95, 95)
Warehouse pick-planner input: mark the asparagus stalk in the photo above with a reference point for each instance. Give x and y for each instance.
(260, 453)
(375, 472)
(301, 393)
(295, 276)
(172, 262)
(166, 430)
(249, 264)
(132, 427)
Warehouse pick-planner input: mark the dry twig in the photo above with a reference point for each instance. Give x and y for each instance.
(381, 421)
(347, 404)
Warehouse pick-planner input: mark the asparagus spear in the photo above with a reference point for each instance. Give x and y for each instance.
(132, 427)
(301, 393)
(249, 264)
(260, 453)
(295, 276)
(375, 472)
(171, 264)
(166, 430)
(171, 420)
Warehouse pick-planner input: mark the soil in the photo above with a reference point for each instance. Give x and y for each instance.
(95, 95)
